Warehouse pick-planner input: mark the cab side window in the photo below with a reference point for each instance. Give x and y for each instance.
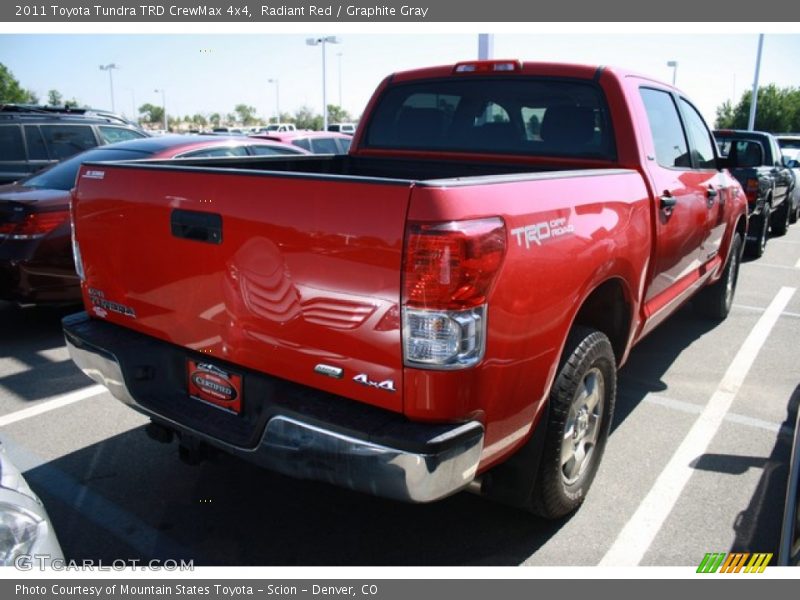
(665, 126)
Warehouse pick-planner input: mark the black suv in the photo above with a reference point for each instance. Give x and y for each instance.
(33, 137)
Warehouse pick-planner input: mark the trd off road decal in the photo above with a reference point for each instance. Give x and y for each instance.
(541, 232)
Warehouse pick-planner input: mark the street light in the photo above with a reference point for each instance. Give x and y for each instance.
(277, 100)
(164, 107)
(339, 56)
(674, 65)
(330, 39)
(110, 67)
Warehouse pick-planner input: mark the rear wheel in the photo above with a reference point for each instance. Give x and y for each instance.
(760, 226)
(795, 212)
(581, 409)
(715, 301)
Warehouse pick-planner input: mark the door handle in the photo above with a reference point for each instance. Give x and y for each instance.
(667, 201)
(712, 192)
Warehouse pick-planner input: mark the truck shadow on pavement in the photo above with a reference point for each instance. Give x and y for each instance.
(129, 497)
(32, 337)
(651, 358)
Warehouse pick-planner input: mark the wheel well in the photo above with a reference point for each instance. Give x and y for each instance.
(607, 309)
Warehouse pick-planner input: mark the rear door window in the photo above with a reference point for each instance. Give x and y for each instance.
(36, 147)
(702, 144)
(65, 140)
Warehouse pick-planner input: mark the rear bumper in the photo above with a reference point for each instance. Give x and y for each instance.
(302, 433)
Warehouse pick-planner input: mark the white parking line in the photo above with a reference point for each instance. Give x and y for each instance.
(758, 263)
(761, 310)
(639, 532)
(797, 264)
(688, 407)
(52, 404)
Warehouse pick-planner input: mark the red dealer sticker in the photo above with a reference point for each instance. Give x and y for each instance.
(210, 384)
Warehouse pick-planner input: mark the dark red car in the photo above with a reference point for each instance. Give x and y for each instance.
(36, 263)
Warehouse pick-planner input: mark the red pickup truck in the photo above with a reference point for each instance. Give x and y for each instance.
(443, 308)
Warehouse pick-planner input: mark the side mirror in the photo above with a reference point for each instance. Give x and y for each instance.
(790, 163)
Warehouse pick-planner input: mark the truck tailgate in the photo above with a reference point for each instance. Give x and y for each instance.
(287, 275)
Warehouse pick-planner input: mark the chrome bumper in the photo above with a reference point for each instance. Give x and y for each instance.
(306, 451)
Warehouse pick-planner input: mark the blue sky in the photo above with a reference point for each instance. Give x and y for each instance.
(214, 72)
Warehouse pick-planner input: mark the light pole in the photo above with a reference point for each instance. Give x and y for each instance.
(110, 67)
(674, 65)
(330, 39)
(164, 107)
(277, 100)
(751, 121)
(339, 56)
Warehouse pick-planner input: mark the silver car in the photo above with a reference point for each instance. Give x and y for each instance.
(26, 532)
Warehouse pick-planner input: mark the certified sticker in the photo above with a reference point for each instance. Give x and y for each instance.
(212, 385)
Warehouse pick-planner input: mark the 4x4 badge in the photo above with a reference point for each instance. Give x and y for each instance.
(387, 385)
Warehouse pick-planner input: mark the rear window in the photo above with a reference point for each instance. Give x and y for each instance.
(11, 147)
(527, 116)
(62, 175)
(272, 150)
(112, 135)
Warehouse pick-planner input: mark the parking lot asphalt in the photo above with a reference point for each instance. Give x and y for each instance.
(697, 460)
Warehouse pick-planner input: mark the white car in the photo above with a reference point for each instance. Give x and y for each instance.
(26, 532)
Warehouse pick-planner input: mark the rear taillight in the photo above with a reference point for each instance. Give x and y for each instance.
(448, 273)
(34, 225)
(751, 190)
(76, 249)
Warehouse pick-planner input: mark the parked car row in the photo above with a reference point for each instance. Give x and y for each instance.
(32, 138)
(769, 180)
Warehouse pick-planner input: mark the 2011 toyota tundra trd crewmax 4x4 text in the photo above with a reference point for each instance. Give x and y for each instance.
(444, 307)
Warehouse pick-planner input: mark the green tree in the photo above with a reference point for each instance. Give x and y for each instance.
(304, 118)
(778, 110)
(336, 114)
(71, 103)
(11, 92)
(215, 119)
(54, 98)
(245, 113)
(150, 113)
(199, 120)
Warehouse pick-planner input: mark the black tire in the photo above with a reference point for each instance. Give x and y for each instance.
(795, 212)
(779, 224)
(715, 301)
(756, 246)
(587, 374)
